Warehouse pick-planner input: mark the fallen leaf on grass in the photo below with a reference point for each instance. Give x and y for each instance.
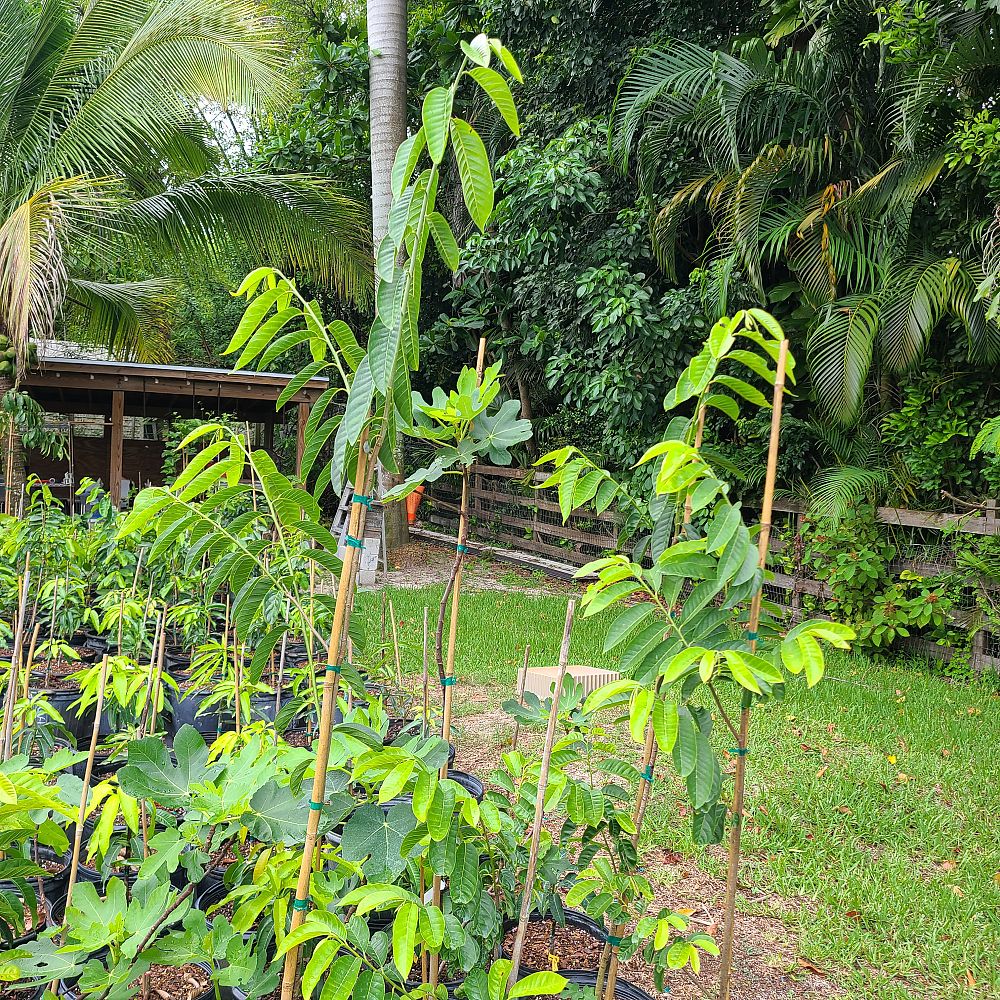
(852, 915)
(847, 811)
(806, 964)
(821, 772)
(947, 866)
(957, 891)
(970, 979)
(902, 778)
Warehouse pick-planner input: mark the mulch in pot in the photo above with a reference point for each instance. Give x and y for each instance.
(299, 738)
(575, 949)
(182, 982)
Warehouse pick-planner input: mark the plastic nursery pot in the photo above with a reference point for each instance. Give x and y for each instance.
(176, 659)
(575, 919)
(45, 918)
(167, 987)
(53, 885)
(470, 783)
(624, 990)
(78, 725)
(184, 707)
(12, 991)
(211, 896)
(105, 764)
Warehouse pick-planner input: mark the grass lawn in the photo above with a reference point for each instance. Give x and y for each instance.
(873, 800)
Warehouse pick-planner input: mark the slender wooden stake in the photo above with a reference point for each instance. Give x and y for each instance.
(331, 687)
(31, 660)
(6, 743)
(281, 672)
(425, 725)
(395, 644)
(543, 780)
(448, 675)
(521, 681)
(698, 436)
(156, 658)
(238, 654)
(739, 778)
(82, 813)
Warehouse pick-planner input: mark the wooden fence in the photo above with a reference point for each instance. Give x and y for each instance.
(508, 510)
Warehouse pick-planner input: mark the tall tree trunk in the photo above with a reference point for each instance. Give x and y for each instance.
(387, 87)
(12, 469)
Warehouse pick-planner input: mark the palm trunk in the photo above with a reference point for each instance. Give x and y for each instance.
(387, 89)
(12, 470)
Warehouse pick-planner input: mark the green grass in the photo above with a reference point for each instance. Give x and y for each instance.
(893, 867)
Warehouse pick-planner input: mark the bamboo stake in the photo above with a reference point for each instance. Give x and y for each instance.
(31, 659)
(395, 644)
(281, 673)
(543, 780)
(739, 778)
(425, 724)
(521, 681)
(81, 814)
(15, 662)
(448, 675)
(156, 658)
(238, 653)
(331, 687)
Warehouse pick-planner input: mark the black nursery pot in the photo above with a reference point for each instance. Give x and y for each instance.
(68, 990)
(53, 886)
(184, 712)
(79, 725)
(35, 993)
(624, 990)
(470, 783)
(575, 919)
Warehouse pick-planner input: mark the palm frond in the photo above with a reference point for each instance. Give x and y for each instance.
(839, 351)
(916, 301)
(303, 221)
(130, 319)
(834, 491)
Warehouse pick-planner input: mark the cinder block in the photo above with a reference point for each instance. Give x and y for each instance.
(540, 680)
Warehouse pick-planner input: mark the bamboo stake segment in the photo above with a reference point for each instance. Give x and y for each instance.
(522, 680)
(739, 778)
(543, 780)
(87, 774)
(15, 663)
(331, 689)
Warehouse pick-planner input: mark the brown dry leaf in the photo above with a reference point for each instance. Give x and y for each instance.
(948, 866)
(957, 891)
(852, 915)
(970, 979)
(846, 810)
(806, 964)
(945, 752)
(902, 778)
(821, 772)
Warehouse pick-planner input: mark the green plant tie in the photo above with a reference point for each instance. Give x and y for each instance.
(614, 941)
(739, 751)
(355, 543)
(461, 549)
(315, 805)
(447, 682)
(750, 636)
(648, 774)
(362, 499)
(301, 904)
(334, 668)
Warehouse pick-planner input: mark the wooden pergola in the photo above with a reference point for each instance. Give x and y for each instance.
(119, 389)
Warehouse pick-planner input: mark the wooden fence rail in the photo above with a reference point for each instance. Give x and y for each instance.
(508, 510)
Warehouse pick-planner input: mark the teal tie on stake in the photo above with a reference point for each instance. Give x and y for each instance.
(355, 543)
(363, 500)
(461, 549)
(448, 682)
(301, 904)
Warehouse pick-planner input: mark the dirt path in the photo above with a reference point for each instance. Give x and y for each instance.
(768, 966)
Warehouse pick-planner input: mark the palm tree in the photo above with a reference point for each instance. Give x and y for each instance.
(823, 159)
(387, 114)
(107, 155)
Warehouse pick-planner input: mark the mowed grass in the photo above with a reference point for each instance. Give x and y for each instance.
(873, 799)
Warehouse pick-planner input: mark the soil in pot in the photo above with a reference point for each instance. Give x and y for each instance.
(575, 948)
(299, 738)
(182, 982)
(12, 991)
(57, 873)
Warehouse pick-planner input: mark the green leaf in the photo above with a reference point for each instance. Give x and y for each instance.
(499, 93)
(478, 50)
(508, 60)
(539, 984)
(436, 114)
(474, 171)
(404, 933)
(407, 157)
(343, 975)
(324, 954)
(444, 240)
(624, 624)
(665, 725)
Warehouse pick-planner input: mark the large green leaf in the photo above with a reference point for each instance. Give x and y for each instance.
(375, 838)
(474, 171)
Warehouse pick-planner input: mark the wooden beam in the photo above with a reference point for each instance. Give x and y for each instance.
(117, 446)
(300, 436)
